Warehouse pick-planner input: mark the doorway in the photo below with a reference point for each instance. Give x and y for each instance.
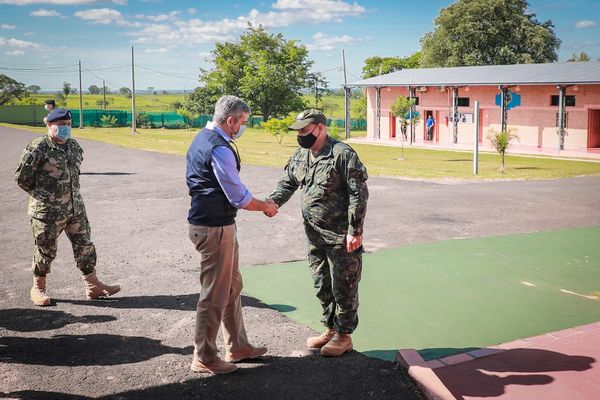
(594, 129)
(392, 126)
(426, 116)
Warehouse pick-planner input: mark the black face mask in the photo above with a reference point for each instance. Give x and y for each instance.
(308, 140)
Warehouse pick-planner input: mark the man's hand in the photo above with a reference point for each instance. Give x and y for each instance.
(353, 242)
(270, 208)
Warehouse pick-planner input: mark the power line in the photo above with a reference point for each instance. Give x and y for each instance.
(116, 84)
(167, 74)
(46, 68)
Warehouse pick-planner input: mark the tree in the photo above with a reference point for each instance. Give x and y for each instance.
(264, 69)
(501, 140)
(581, 57)
(34, 89)
(125, 91)
(488, 32)
(401, 109)
(278, 127)
(359, 108)
(149, 89)
(93, 89)
(66, 90)
(375, 66)
(11, 89)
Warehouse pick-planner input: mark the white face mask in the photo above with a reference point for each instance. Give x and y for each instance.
(47, 107)
(239, 133)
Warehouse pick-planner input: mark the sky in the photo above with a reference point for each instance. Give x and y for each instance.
(41, 41)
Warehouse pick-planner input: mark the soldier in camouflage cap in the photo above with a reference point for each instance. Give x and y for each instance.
(49, 172)
(334, 203)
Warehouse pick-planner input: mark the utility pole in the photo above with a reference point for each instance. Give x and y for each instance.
(133, 130)
(104, 93)
(476, 141)
(346, 99)
(80, 100)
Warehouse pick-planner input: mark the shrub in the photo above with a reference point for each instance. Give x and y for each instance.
(501, 140)
(109, 120)
(278, 127)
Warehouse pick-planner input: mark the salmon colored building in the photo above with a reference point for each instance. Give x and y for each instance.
(531, 96)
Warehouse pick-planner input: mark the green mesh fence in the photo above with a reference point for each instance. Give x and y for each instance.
(33, 115)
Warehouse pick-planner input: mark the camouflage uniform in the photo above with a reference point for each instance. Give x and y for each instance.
(334, 203)
(50, 174)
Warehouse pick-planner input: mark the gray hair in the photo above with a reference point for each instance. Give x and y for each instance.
(229, 106)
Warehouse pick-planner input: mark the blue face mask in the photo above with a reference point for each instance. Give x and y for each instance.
(63, 132)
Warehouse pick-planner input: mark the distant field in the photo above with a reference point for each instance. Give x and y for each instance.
(165, 102)
(260, 148)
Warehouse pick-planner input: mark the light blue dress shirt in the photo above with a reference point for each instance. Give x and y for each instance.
(225, 169)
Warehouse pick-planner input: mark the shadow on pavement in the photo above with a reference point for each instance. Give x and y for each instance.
(353, 376)
(480, 378)
(37, 319)
(182, 302)
(79, 350)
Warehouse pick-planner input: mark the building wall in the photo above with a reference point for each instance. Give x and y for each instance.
(534, 121)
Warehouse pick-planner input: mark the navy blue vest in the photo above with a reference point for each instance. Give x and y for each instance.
(209, 206)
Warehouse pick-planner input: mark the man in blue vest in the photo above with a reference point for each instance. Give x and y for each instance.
(217, 193)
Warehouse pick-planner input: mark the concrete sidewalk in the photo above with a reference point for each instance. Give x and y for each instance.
(513, 149)
(557, 365)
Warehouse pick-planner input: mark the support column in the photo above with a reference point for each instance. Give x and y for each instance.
(504, 100)
(378, 112)
(455, 114)
(411, 113)
(561, 117)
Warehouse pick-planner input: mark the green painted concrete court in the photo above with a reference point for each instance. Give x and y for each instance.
(449, 297)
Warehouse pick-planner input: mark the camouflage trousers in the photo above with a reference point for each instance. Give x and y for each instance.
(45, 237)
(336, 274)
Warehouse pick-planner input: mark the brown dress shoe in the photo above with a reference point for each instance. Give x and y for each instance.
(340, 343)
(316, 342)
(248, 353)
(216, 366)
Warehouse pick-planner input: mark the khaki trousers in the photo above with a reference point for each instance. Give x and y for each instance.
(220, 293)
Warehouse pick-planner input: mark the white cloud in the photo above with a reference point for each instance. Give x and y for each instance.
(172, 16)
(162, 50)
(584, 24)
(105, 16)
(7, 26)
(45, 13)
(15, 53)
(322, 42)
(21, 44)
(60, 2)
(191, 11)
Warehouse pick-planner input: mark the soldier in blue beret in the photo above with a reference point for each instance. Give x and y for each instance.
(49, 172)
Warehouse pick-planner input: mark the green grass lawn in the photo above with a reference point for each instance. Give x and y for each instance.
(164, 102)
(260, 148)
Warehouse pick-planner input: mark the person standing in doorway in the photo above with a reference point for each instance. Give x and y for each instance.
(430, 124)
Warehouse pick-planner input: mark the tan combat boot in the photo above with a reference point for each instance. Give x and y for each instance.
(248, 353)
(340, 343)
(94, 288)
(38, 291)
(316, 342)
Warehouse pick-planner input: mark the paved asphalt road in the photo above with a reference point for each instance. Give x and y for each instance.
(138, 345)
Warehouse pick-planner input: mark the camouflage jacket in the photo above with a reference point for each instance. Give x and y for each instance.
(51, 177)
(334, 191)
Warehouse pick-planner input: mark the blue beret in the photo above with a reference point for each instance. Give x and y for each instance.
(58, 114)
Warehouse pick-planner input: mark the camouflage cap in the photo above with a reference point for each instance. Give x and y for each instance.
(307, 117)
(58, 114)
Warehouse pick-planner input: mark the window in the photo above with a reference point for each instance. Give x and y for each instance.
(463, 102)
(569, 100)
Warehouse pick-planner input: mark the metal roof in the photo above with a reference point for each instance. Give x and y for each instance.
(563, 73)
